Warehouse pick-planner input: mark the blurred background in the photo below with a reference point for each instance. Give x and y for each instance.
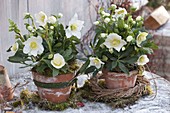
(155, 13)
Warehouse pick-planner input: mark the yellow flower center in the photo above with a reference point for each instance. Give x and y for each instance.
(142, 59)
(57, 62)
(140, 38)
(33, 45)
(14, 47)
(73, 27)
(42, 18)
(120, 12)
(115, 42)
(96, 61)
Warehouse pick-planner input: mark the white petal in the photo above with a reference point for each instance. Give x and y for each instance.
(33, 52)
(81, 80)
(68, 33)
(26, 49)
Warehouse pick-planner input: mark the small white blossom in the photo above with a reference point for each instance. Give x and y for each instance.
(103, 35)
(33, 46)
(14, 48)
(140, 38)
(30, 28)
(113, 19)
(52, 19)
(41, 18)
(129, 38)
(40, 28)
(58, 61)
(107, 20)
(142, 60)
(60, 15)
(138, 18)
(75, 27)
(94, 61)
(115, 41)
(96, 23)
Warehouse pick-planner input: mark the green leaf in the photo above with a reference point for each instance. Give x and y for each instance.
(114, 64)
(100, 41)
(127, 52)
(131, 60)
(84, 66)
(95, 72)
(121, 23)
(75, 39)
(90, 69)
(55, 72)
(48, 63)
(123, 68)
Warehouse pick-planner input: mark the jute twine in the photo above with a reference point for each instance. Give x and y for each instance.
(95, 90)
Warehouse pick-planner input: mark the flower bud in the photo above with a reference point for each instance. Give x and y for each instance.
(30, 28)
(103, 35)
(96, 23)
(129, 38)
(123, 48)
(107, 20)
(52, 19)
(114, 6)
(51, 27)
(138, 18)
(60, 15)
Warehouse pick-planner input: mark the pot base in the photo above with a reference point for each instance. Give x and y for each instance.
(120, 80)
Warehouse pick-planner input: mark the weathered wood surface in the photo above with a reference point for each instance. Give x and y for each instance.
(15, 9)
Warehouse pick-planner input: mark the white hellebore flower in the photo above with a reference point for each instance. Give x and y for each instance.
(129, 38)
(115, 41)
(107, 20)
(121, 12)
(94, 61)
(33, 46)
(141, 37)
(103, 35)
(81, 80)
(14, 48)
(58, 61)
(96, 23)
(41, 18)
(142, 60)
(51, 19)
(75, 27)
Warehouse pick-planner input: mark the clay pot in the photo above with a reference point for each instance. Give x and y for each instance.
(6, 92)
(120, 80)
(55, 95)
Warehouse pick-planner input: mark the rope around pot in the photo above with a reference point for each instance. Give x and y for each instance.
(95, 90)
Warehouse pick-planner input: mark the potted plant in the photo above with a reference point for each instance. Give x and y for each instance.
(120, 48)
(50, 50)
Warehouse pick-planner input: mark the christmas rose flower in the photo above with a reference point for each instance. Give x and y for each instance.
(14, 48)
(51, 19)
(115, 41)
(33, 46)
(142, 60)
(58, 61)
(74, 27)
(140, 38)
(94, 61)
(41, 18)
(121, 12)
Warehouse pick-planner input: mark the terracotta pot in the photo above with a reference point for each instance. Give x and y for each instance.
(120, 80)
(6, 91)
(55, 95)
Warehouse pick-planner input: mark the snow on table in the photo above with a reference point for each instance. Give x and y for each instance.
(161, 104)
